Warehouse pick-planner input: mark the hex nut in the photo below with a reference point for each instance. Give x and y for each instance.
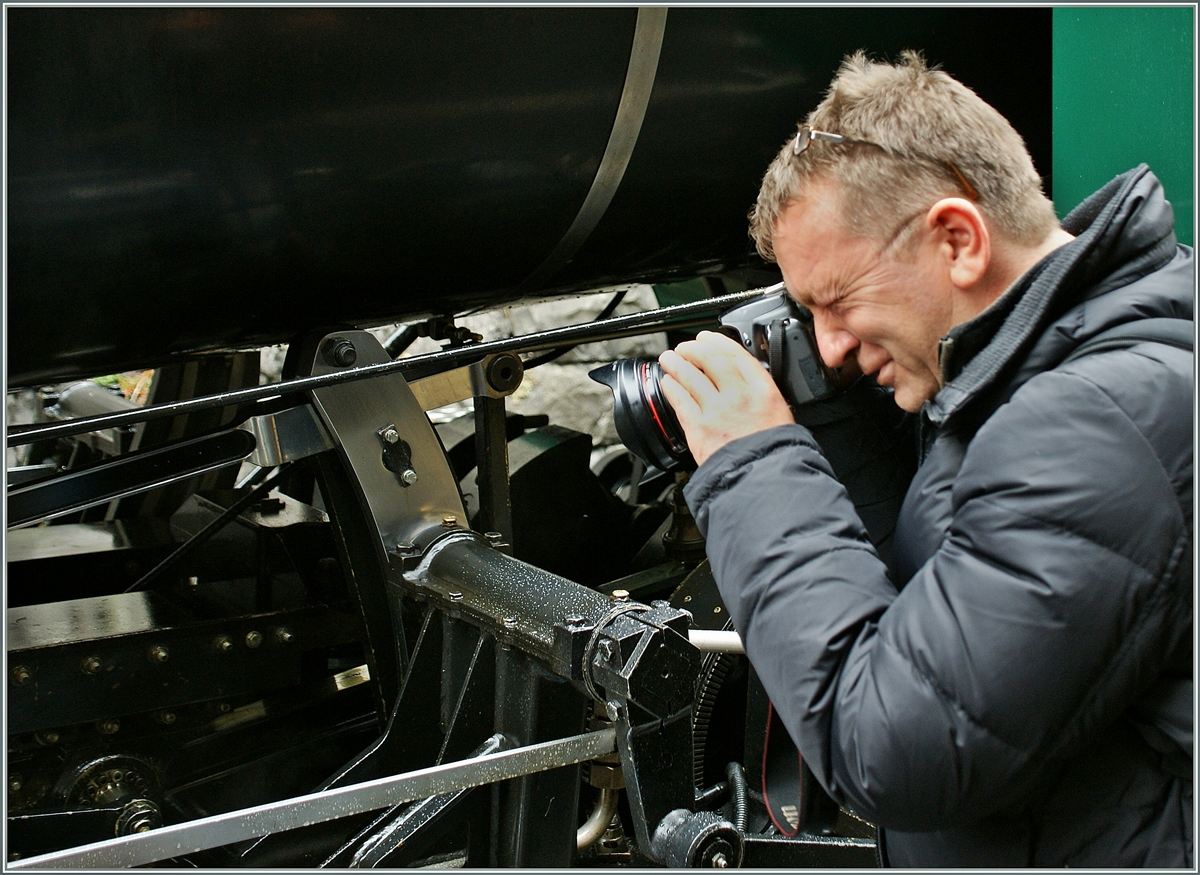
(409, 477)
(450, 521)
(283, 636)
(110, 726)
(91, 665)
(253, 639)
(391, 435)
(158, 653)
(339, 352)
(619, 595)
(223, 643)
(166, 717)
(21, 675)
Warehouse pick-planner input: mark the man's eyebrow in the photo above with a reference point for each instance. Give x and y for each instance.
(811, 296)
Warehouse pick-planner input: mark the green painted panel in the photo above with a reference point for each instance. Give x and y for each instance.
(1123, 95)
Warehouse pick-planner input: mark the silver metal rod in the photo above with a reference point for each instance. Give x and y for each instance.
(712, 641)
(635, 323)
(234, 826)
(597, 824)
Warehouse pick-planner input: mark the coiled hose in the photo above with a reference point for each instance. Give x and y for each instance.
(737, 794)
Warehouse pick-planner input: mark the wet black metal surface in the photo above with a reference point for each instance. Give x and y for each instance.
(187, 179)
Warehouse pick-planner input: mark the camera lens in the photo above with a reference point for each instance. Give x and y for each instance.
(645, 421)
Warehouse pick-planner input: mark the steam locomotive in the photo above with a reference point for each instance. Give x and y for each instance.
(297, 624)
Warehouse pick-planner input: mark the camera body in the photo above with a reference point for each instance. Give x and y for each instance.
(773, 328)
(779, 333)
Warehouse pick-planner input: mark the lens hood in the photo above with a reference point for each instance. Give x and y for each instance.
(645, 421)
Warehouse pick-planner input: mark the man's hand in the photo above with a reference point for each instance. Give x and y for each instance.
(719, 393)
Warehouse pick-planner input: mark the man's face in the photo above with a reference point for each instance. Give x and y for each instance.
(878, 305)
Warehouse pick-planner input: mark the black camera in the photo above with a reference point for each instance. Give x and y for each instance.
(774, 328)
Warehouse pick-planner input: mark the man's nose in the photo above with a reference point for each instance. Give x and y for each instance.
(834, 342)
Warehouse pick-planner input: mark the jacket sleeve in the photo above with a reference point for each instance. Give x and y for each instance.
(1061, 588)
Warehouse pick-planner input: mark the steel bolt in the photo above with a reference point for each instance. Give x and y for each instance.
(14, 785)
(91, 665)
(391, 435)
(193, 581)
(340, 352)
(449, 521)
(47, 737)
(573, 620)
(612, 711)
(406, 547)
(222, 643)
(166, 717)
(456, 596)
(158, 653)
(253, 639)
(109, 727)
(619, 595)
(409, 477)
(493, 537)
(510, 622)
(224, 707)
(606, 648)
(21, 675)
(284, 636)
(720, 861)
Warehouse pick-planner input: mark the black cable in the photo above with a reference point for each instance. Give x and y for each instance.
(563, 350)
(189, 546)
(401, 340)
(737, 794)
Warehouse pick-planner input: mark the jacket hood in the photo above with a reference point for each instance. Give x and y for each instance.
(1123, 233)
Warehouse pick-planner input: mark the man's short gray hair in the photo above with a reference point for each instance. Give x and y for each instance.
(924, 125)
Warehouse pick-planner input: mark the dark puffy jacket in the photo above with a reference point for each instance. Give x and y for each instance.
(1021, 695)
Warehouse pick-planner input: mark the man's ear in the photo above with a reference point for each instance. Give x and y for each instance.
(963, 240)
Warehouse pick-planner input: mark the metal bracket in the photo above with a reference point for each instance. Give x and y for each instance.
(290, 434)
(497, 376)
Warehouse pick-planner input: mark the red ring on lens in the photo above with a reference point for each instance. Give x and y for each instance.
(650, 403)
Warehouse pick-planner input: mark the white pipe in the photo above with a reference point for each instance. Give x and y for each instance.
(713, 641)
(602, 815)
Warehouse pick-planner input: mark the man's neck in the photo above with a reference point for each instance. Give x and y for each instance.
(1009, 264)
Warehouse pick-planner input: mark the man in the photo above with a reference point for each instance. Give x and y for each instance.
(1016, 688)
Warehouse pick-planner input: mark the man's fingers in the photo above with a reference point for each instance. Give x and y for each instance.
(714, 354)
(726, 362)
(687, 411)
(688, 376)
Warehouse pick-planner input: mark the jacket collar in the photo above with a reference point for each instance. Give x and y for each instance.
(1123, 231)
